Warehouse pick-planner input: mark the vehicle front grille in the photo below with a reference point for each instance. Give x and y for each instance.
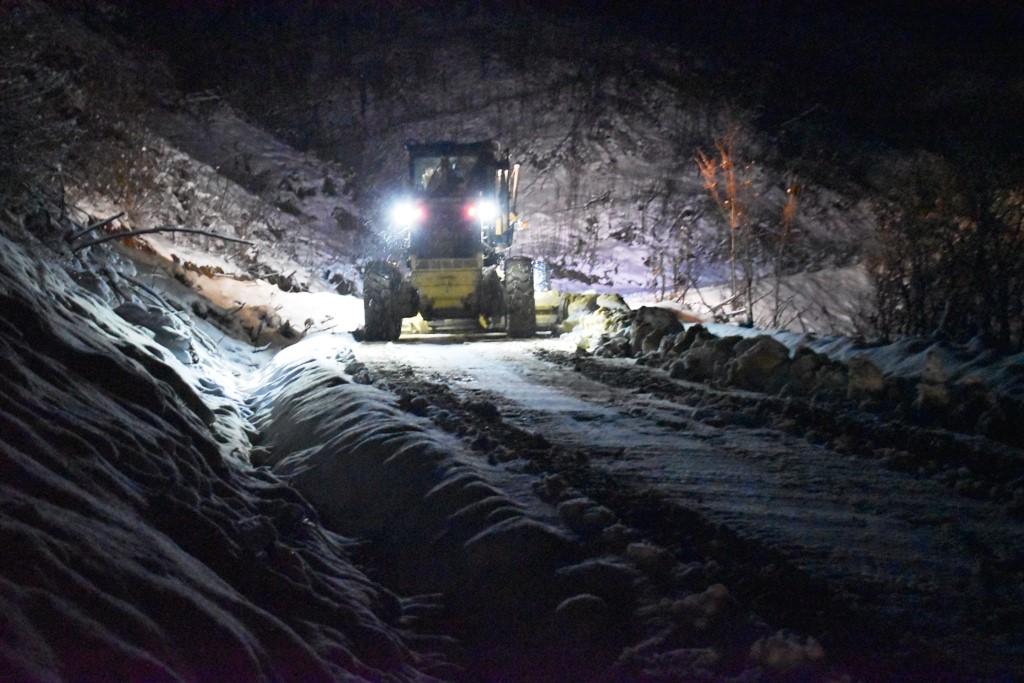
(448, 264)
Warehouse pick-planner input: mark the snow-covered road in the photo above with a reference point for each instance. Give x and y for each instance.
(899, 546)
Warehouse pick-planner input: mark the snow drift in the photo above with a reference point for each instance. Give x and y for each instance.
(510, 574)
(133, 549)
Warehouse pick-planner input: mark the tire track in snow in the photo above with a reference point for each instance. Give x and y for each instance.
(891, 542)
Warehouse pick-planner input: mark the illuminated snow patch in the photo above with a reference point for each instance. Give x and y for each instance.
(375, 472)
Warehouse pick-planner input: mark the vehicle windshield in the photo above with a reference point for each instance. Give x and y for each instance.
(448, 175)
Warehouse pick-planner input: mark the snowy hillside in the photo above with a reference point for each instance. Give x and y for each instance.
(302, 116)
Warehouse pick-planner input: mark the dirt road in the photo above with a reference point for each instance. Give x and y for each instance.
(812, 530)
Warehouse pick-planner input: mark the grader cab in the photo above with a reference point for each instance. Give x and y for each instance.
(458, 221)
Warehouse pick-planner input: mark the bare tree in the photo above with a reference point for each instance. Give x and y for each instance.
(789, 212)
(730, 183)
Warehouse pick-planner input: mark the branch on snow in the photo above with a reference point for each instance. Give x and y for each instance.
(94, 226)
(148, 231)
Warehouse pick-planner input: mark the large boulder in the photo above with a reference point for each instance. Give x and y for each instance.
(650, 325)
(613, 346)
(706, 360)
(803, 371)
(696, 365)
(692, 335)
(759, 366)
(831, 382)
(573, 308)
(613, 302)
(865, 379)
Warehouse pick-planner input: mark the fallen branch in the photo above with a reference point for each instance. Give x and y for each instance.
(149, 231)
(152, 293)
(720, 306)
(94, 226)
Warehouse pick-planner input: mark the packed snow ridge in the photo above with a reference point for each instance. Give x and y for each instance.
(135, 546)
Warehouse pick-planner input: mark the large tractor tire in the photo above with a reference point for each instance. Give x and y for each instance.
(489, 298)
(521, 313)
(384, 294)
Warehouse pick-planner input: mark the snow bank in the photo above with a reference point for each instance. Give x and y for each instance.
(538, 582)
(377, 473)
(132, 549)
(966, 388)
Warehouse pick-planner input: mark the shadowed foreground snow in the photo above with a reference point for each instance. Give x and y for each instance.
(133, 549)
(141, 544)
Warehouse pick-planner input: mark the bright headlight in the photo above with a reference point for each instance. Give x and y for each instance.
(407, 214)
(484, 210)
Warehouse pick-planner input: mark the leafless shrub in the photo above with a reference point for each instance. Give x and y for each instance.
(736, 187)
(789, 211)
(126, 166)
(949, 259)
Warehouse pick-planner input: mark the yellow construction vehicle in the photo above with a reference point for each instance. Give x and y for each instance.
(458, 220)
